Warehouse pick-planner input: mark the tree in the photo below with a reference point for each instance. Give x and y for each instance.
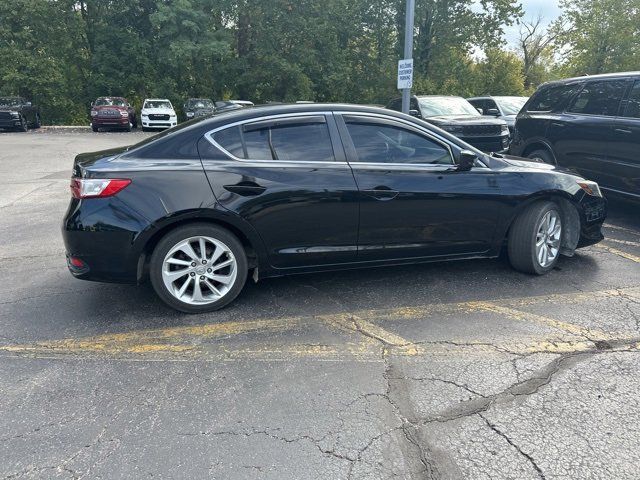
(602, 35)
(535, 44)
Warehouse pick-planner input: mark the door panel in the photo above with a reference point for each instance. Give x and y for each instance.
(414, 210)
(306, 211)
(624, 152)
(581, 136)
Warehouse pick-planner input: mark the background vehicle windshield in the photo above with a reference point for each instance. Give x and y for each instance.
(435, 106)
(157, 104)
(201, 103)
(10, 102)
(510, 105)
(115, 102)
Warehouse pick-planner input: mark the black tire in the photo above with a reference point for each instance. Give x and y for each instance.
(145, 129)
(129, 127)
(198, 229)
(94, 128)
(521, 244)
(543, 156)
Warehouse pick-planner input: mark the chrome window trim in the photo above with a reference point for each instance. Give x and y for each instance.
(438, 139)
(209, 136)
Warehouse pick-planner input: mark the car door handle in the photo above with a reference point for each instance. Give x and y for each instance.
(246, 189)
(622, 130)
(381, 192)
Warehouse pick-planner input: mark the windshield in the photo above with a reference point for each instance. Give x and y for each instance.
(10, 102)
(436, 106)
(511, 105)
(112, 102)
(157, 104)
(201, 103)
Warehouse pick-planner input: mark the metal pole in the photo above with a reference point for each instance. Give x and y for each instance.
(408, 49)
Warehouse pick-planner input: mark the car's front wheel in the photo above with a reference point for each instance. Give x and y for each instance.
(198, 268)
(535, 239)
(542, 156)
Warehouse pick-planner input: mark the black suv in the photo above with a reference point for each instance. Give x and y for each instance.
(19, 114)
(198, 107)
(588, 124)
(458, 117)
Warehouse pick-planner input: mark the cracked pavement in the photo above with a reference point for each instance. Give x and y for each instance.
(442, 371)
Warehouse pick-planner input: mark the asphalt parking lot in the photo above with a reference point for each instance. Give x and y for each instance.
(440, 371)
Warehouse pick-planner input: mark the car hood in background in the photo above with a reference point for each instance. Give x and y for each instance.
(10, 109)
(158, 111)
(202, 111)
(464, 120)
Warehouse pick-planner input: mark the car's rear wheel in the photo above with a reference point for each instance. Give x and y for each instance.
(198, 268)
(543, 156)
(535, 239)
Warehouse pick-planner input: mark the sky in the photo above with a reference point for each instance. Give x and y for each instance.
(549, 9)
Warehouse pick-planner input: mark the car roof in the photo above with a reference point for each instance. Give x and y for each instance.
(496, 96)
(595, 77)
(157, 100)
(110, 96)
(438, 96)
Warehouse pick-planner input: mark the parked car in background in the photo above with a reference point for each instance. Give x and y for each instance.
(224, 105)
(158, 113)
(457, 116)
(289, 189)
(198, 107)
(588, 124)
(16, 113)
(504, 108)
(113, 112)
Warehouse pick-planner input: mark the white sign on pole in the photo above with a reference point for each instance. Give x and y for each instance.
(405, 73)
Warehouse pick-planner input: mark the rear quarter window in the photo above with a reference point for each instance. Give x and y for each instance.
(551, 98)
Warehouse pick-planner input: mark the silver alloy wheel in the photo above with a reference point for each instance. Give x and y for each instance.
(548, 238)
(199, 270)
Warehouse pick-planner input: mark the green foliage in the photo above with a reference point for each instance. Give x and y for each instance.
(603, 36)
(62, 54)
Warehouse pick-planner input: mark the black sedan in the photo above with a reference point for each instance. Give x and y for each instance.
(287, 189)
(16, 113)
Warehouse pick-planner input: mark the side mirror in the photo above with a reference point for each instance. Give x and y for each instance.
(92, 103)
(415, 113)
(493, 111)
(466, 161)
(28, 104)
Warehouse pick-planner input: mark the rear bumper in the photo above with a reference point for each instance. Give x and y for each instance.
(101, 233)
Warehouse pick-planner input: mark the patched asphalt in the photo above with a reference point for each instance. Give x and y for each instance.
(441, 371)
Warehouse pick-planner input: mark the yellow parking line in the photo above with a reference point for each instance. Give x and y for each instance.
(622, 229)
(571, 328)
(620, 253)
(179, 339)
(622, 242)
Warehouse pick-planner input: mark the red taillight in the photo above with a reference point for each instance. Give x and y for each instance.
(97, 187)
(76, 262)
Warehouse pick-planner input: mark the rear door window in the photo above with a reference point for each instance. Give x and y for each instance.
(599, 98)
(289, 139)
(632, 110)
(552, 97)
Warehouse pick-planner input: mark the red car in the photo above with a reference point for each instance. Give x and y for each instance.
(113, 112)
